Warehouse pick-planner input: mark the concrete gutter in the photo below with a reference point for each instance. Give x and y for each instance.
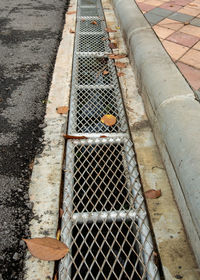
(173, 112)
(46, 177)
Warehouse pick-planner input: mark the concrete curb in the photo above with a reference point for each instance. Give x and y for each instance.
(173, 111)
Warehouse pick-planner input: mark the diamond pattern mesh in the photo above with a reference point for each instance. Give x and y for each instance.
(91, 25)
(92, 43)
(91, 105)
(87, 12)
(104, 213)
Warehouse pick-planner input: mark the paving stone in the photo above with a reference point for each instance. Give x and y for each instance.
(174, 50)
(161, 12)
(195, 21)
(171, 24)
(181, 17)
(162, 32)
(190, 11)
(197, 46)
(184, 39)
(153, 18)
(145, 7)
(192, 57)
(190, 29)
(171, 6)
(191, 74)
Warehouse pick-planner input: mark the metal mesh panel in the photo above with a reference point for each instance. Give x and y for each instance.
(90, 71)
(92, 43)
(88, 2)
(87, 11)
(104, 221)
(89, 105)
(88, 25)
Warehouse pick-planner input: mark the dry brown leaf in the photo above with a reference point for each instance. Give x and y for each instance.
(105, 72)
(61, 212)
(71, 31)
(83, 19)
(71, 12)
(113, 45)
(94, 22)
(47, 248)
(120, 74)
(31, 164)
(152, 193)
(62, 110)
(109, 120)
(104, 38)
(103, 136)
(186, 23)
(108, 29)
(120, 64)
(116, 56)
(66, 136)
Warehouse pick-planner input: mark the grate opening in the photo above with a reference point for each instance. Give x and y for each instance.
(88, 26)
(87, 11)
(91, 106)
(90, 71)
(100, 182)
(92, 43)
(87, 2)
(106, 250)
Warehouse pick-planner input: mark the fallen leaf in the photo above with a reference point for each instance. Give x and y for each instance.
(116, 56)
(56, 276)
(113, 45)
(103, 136)
(61, 212)
(31, 165)
(171, 5)
(152, 194)
(83, 19)
(120, 74)
(108, 29)
(66, 136)
(58, 234)
(120, 64)
(105, 72)
(62, 110)
(94, 22)
(109, 120)
(186, 23)
(71, 31)
(71, 12)
(47, 248)
(104, 39)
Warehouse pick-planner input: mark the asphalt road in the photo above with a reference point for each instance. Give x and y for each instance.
(30, 31)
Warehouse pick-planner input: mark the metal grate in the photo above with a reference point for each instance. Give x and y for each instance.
(89, 105)
(91, 25)
(105, 221)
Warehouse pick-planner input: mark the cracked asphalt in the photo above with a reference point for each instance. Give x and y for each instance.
(30, 32)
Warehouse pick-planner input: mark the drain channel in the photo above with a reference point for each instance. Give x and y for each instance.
(105, 222)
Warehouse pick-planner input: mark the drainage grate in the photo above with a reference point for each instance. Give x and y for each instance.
(105, 221)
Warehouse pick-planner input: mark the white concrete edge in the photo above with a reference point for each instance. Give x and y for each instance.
(166, 222)
(45, 182)
(177, 113)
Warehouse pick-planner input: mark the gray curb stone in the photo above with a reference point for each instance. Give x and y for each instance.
(174, 113)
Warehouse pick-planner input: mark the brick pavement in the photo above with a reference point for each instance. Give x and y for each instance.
(177, 25)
